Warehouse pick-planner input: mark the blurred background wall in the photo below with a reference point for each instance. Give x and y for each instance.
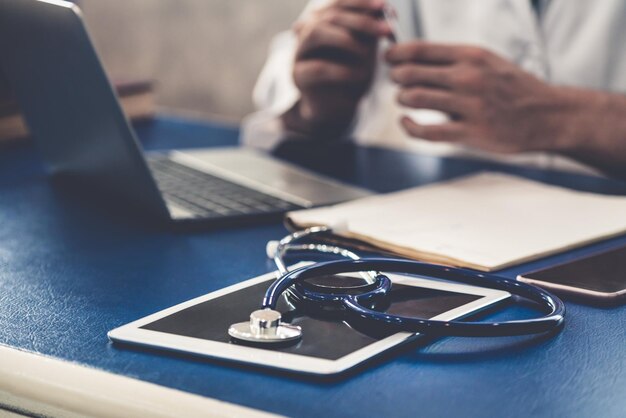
(205, 55)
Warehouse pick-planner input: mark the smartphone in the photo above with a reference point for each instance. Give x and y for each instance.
(600, 277)
(399, 35)
(391, 16)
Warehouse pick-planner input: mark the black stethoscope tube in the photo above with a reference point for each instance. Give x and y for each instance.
(357, 304)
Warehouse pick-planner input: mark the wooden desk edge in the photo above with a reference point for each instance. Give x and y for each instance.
(36, 384)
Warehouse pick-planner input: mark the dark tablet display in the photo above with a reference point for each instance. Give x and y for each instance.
(323, 337)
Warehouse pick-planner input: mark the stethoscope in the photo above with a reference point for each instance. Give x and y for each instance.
(266, 326)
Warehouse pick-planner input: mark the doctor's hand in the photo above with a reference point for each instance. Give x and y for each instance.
(334, 64)
(494, 105)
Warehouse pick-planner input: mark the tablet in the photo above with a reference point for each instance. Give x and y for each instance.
(329, 345)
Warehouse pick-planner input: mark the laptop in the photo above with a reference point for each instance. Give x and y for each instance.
(77, 123)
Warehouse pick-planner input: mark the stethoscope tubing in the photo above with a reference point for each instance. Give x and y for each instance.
(277, 250)
(358, 304)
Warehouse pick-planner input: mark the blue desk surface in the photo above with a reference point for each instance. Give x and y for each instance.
(71, 271)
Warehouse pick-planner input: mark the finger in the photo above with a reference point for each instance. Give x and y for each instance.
(313, 73)
(428, 98)
(373, 7)
(408, 74)
(324, 37)
(359, 23)
(447, 132)
(424, 52)
(298, 26)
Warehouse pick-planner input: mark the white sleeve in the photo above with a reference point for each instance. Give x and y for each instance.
(275, 92)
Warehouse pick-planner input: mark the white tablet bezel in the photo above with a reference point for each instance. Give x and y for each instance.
(132, 333)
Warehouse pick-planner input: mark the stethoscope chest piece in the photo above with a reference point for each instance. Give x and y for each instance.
(265, 326)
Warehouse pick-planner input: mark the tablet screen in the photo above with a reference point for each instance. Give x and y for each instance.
(324, 337)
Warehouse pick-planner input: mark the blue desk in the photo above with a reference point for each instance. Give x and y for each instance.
(70, 271)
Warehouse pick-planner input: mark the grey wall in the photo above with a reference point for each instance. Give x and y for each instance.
(204, 54)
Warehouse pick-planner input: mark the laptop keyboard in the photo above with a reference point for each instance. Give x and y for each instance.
(208, 196)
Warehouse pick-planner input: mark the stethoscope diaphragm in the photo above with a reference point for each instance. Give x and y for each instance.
(265, 326)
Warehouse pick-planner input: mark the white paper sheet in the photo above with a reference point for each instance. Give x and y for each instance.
(486, 221)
